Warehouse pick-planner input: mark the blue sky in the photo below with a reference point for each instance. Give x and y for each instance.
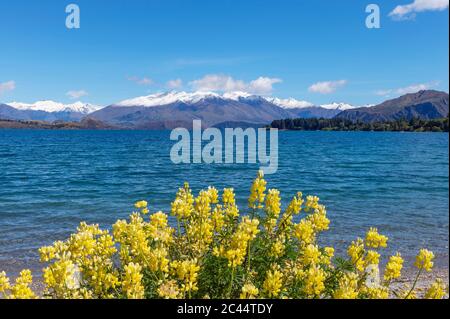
(319, 51)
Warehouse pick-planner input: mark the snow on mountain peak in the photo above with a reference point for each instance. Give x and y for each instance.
(289, 103)
(236, 95)
(52, 106)
(166, 98)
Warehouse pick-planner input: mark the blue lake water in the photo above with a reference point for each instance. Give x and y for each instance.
(52, 180)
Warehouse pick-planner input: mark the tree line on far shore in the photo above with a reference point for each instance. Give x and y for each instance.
(337, 124)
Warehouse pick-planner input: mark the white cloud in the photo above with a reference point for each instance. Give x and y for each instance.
(262, 85)
(174, 84)
(141, 81)
(415, 88)
(216, 82)
(327, 87)
(7, 86)
(76, 94)
(408, 11)
(408, 89)
(225, 83)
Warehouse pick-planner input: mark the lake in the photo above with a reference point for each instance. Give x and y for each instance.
(52, 180)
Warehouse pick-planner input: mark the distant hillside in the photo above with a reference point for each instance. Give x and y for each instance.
(425, 105)
(314, 112)
(337, 124)
(85, 124)
(47, 111)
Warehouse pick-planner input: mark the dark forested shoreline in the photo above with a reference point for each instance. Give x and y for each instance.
(338, 124)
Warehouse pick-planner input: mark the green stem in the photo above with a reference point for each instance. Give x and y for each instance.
(249, 253)
(414, 284)
(230, 288)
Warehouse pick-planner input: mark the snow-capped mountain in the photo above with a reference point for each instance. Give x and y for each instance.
(51, 107)
(173, 109)
(167, 98)
(289, 103)
(49, 111)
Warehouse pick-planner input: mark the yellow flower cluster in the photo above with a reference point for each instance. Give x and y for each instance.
(21, 288)
(186, 271)
(393, 267)
(437, 290)
(273, 283)
(236, 249)
(375, 240)
(347, 287)
(257, 192)
(208, 249)
(132, 281)
(424, 260)
(249, 291)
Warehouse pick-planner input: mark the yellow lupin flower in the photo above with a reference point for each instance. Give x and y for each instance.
(376, 292)
(272, 203)
(356, 252)
(249, 291)
(4, 283)
(327, 256)
(277, 249)
(47, 253)
(312, 203)
(424, 260)
(218, 218)
(375, 240)
(157, 260)
(273, 283)
(237, 249)
(169, 290)
(213, 195)
(228, 196)
(304, 231)
(187, 272)
(372, 258)
(61, 278)
(348, 287)
(310, 255)
(21, 289)
(183, 205)
(159, 229)
(132, 281)
(319, 219)
(314, 281)
(142, 205)
(437, 290)
(257, 192)
(393, 267)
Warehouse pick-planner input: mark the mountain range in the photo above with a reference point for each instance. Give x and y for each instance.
(426, 105)
(48, 111)
(177, 109)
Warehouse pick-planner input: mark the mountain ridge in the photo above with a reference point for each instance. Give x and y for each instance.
(172, 109)
(424, 104)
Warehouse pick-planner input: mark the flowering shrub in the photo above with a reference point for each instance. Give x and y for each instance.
(214, 253)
